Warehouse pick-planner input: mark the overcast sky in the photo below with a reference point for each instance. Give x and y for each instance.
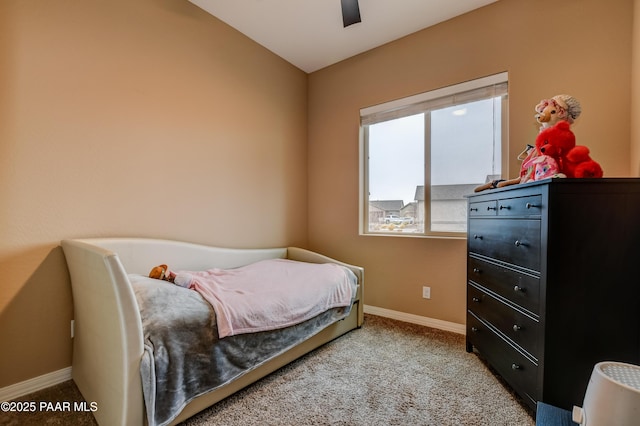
(462, 151)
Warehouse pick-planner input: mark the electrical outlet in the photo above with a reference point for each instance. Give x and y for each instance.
(426, 292)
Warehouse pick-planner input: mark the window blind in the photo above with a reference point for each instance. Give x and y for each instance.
(482, 88)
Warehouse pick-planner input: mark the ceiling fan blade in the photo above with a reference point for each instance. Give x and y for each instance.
(350, 12)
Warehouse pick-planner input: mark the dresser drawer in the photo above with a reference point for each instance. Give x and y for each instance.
(517, 326)
(519, 371)
(515, 241)
(520, 206)
(483, 208)
(522, 289)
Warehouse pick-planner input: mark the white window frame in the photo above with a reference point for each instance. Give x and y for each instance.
(439, 98)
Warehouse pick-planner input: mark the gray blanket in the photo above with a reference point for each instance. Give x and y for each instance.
(183, 356)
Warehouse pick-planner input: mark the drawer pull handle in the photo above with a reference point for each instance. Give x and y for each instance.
(475, 299)
(518, 288)
(515, 367)
(491, 208)
(519, 243)
(474, 329)
(516, 327)
(476, 271)
(477, 237)
(473, 209)
(505, 207)
(531, 205)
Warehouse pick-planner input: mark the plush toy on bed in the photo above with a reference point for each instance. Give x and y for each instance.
(159, 272)
(162, 272)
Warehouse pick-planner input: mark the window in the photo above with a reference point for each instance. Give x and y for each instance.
(421, 155)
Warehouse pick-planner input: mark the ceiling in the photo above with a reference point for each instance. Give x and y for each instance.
(310, 35)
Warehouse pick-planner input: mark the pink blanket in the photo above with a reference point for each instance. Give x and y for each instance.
(271, 294)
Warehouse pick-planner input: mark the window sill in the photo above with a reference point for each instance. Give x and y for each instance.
(451, 236)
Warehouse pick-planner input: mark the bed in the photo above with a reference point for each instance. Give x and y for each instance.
(113, 353)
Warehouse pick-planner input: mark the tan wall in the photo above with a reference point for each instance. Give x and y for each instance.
(151, 118)
(133, 118)
(635, 92)
(579, 47)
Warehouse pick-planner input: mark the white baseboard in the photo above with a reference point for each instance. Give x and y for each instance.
(37, 383)
(416, 319)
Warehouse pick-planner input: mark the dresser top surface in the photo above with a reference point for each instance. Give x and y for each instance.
(626, 184)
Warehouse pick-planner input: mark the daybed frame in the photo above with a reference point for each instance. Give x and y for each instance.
(108, 337)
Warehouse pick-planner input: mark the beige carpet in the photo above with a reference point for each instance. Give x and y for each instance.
(386, 373)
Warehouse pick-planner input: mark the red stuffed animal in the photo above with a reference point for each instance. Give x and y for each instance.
(580, 165)
(556, 141)
(559, 142)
